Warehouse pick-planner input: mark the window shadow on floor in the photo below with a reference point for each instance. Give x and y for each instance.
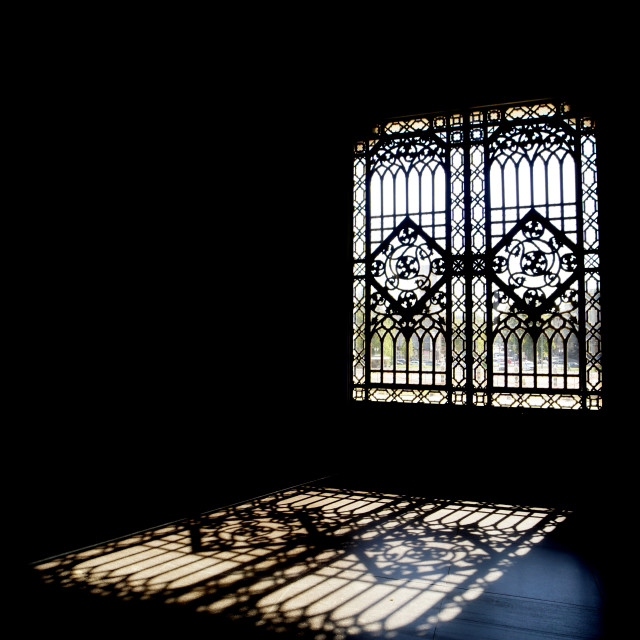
(323, 560)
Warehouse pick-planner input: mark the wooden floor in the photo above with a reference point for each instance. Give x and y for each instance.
(330, 560)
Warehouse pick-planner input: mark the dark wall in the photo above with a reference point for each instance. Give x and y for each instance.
(185, 328)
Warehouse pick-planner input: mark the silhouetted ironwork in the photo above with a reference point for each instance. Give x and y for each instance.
(476, 259)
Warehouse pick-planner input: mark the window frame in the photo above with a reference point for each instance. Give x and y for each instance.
(463, 133)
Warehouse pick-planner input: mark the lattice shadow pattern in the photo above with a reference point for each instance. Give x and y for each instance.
(322, 562)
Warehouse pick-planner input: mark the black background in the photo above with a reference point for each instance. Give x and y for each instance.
(183, 266)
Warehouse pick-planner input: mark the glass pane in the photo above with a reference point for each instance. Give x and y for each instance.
(553, 180)
(401, 352)
(375, 192)
(495, 181)
(510, 185)
(524, 184)
(573, 355)
(498, 355)
(387, 194)
(440, 353)
(539, 182)
(425, 353)
(401, 193)
(376, 352)
(542, 359)
(513, 354)
(439, 196)
(387, 352)
(557, 354)
(528, 356)
(414, 191)
(426, 192)
(568, 179)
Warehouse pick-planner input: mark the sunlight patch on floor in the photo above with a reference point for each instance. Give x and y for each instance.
(318, 558)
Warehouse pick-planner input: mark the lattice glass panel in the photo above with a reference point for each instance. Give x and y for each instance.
(477, 250)
(359, 270)
(458, 284)
(409, 395)
(457, 201)
(458, 337)
(592, 331)
(530, 111)
(537, 401)
(407, 126)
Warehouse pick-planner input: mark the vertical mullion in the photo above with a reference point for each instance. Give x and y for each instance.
(468, 261)
(487, 273)
(420, 215)
(406, 191)
(531, 184)
(562, 199)
(546, 187)
(367, 282)
(456, 248)
(394, 195)
(433, 196)
(503, 204)
(449, 286)
(591, 247)
(582, 297)
(358, 291)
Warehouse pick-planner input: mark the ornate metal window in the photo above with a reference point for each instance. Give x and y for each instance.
(476, 259)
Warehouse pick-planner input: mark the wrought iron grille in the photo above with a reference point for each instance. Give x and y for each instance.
(476, 259)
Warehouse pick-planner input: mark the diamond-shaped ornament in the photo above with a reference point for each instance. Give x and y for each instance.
(534, 262)
(408, 267)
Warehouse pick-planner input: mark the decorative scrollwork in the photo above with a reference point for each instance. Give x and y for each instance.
(406, 267)
(531, 139)
(406, 152)
(535, 260)
(534, 266)
(247, 532)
